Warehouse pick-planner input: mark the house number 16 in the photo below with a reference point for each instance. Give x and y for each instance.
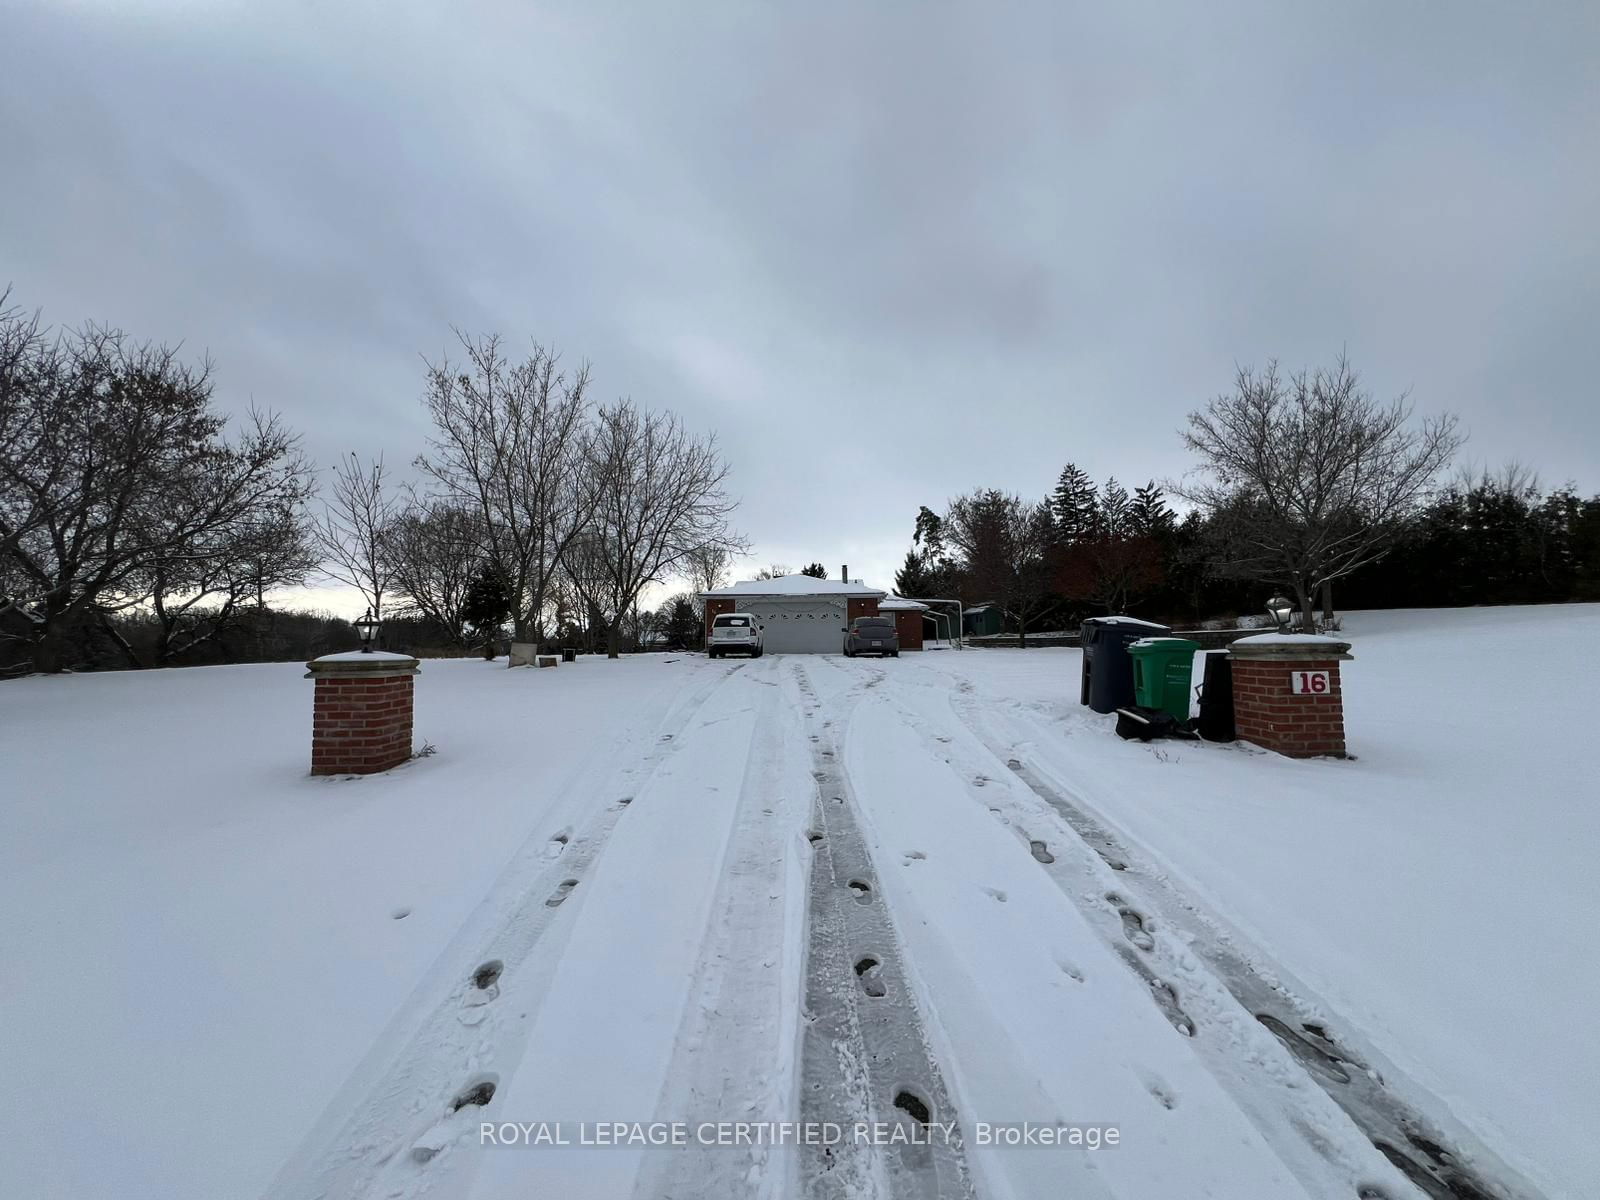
(1309, 683)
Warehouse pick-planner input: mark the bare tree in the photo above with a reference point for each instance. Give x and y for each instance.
(705, 568)
(435, 551)
(197, 593)
(1307, 478)
(350, 533)
(510, 442)
(661, 500)
(112, 462)
(1000, 543)
(26, 363)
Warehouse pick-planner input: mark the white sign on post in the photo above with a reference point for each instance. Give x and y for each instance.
(1309, 683)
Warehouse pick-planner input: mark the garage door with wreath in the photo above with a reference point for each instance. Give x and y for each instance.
(801, 626)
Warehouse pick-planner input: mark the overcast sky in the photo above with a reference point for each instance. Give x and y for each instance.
(888, 252)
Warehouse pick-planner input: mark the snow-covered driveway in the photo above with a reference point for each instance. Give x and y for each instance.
(928, 892)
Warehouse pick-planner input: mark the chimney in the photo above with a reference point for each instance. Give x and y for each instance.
(844, 573)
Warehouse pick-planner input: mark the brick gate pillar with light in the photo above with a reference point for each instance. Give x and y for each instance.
(361, 712)
(1287, 694)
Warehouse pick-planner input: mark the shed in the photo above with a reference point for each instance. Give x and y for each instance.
(907, 616)
(982, 619)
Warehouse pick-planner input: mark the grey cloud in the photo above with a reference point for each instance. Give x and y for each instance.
(1008, 235)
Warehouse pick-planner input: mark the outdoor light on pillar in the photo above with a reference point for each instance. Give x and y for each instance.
(367, 627)
(1280, 609)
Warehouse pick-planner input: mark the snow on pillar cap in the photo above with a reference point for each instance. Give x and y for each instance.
(1290, 645)
(363, 663)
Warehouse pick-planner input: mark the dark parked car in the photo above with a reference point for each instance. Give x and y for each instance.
(871, 635)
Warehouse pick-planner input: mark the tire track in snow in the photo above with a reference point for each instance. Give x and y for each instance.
(420, 1088)
(1440, 1165)
(865, 1054)
(736, 1047)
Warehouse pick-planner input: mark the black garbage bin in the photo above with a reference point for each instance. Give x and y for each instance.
(1215, 723)
(1107, 683)
(568, 654)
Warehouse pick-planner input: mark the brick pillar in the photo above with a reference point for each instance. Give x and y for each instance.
(361, 715)
(1281, 700)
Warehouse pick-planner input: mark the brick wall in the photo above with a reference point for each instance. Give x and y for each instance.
(715, 607)
(361, 723)
(866, 606)
(1267, 713)
(908, 624)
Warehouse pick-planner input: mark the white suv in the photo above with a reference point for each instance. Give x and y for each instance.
(735, 632)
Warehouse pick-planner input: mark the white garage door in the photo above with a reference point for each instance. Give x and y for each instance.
(800, 626)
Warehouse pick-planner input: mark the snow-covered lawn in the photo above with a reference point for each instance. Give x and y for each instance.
(220, 977)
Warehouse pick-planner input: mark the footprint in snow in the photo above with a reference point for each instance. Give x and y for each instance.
(556, 845)
(995, 894)
(561, 893)
(1165, 1095)
(1133, 925)
(1040, 851)
(1167, 1001)
(485, 988)
(1071, 970)
(867, 970)
(862, 890)
(911, 856)
(451, 1128)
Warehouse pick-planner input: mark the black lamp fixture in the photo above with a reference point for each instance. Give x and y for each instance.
(1280, 609)
(367, 627)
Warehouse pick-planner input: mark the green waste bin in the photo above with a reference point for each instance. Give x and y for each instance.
(1162, 668)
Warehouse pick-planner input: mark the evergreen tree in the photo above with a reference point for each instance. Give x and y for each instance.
(1073, 506)
(1115, 510)
(1148, 514)
(929, 533)
(815, 570)
(912, 579)
(681, 624)
(487, 607)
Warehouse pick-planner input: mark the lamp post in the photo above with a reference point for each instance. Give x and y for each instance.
(367, 627)
(1280, 609)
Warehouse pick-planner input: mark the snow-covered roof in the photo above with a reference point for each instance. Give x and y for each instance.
(794, 585)
(977, 608)
(900, 604)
